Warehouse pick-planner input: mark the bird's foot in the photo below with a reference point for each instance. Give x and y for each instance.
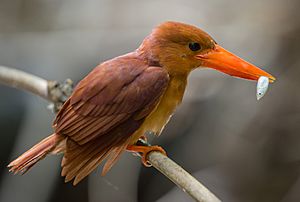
(143, 141)
(144, 151)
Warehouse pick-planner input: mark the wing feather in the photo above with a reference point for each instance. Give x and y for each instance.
(105, 109)
(99, 105)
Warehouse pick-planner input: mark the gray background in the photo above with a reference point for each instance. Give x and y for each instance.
(243, 150)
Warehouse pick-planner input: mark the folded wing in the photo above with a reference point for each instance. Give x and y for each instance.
(105, 109)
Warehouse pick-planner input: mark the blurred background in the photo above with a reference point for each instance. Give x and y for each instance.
(241, 149)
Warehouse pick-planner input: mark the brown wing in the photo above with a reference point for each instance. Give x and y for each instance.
(109, 95)
(103, 112)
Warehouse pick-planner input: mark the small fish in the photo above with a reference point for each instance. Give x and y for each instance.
(262, 87)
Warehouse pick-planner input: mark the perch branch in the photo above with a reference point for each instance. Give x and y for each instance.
(50, 90)
(58, 93)
(181, 178)
(24, 81)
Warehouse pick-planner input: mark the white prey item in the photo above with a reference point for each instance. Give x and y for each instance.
(262, 87)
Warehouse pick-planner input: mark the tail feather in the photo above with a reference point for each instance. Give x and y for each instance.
(80, 160)
(23, 163)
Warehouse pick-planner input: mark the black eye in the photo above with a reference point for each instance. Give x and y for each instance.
(194, 46)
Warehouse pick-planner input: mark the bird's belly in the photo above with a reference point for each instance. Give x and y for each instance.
(154, 123)
(159, 117)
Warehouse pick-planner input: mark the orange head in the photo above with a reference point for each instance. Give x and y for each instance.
(181, 48)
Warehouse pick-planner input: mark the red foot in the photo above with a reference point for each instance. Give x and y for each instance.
(144, 151)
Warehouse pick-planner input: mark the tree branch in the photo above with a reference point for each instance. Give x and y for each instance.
(52, 91)
(58, 93)
(181, 178)
(24, 81)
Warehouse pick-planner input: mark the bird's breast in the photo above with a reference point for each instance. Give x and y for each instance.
(163, 111)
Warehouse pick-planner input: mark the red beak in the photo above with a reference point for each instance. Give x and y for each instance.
(224, 61)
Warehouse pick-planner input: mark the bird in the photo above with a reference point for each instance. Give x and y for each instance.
(123, 99)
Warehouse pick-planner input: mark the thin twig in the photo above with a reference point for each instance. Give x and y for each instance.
(58, 93)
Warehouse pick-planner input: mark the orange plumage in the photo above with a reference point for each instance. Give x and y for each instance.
(125, 97)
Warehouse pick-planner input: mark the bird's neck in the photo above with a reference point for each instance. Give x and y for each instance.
(173, 95)
(171, 98)
(176, 88)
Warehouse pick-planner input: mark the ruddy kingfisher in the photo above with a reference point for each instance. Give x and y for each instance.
(122, 99)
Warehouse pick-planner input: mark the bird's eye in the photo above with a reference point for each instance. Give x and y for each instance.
(194, 46)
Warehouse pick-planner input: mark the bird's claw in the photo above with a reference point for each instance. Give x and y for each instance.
(144, 151)
(142, 141)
